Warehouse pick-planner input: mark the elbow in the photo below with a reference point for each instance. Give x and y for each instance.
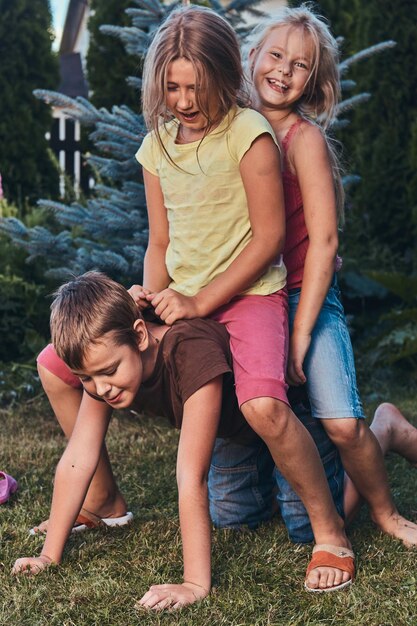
(274, 246)
(326, 247)
(333, 245)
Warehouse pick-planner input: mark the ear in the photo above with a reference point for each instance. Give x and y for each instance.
(252, 59)
(142, 334)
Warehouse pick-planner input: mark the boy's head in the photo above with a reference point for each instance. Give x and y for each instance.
(84, 310)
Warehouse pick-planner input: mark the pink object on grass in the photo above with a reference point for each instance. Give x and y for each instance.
(8, 486)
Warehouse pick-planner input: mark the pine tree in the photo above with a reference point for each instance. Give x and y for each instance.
(27, 62)
(107, 62)
(109, 232)
(381, 141)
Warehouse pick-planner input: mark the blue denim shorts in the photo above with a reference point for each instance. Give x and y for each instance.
(245, 487)
(329, 366)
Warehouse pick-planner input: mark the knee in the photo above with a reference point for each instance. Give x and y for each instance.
(345, 433)
(50, 382)
(267, 416)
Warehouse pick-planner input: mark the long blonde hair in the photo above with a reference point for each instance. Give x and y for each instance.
(202, 37)
(322, 93)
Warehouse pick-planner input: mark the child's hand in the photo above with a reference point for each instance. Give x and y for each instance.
(299, 345)
(171, 306)
(32, 565)
(171, 596)
(139, 294)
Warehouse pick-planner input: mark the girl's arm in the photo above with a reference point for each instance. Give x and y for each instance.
(72, 478)
(310, 158)
(198, 432)
(260, 171)
(155, 275)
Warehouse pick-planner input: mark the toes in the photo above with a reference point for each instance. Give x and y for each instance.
(326, 578)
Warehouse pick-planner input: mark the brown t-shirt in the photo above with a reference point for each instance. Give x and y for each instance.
(190, 355)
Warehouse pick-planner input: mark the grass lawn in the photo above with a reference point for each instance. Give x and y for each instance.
(258, 576)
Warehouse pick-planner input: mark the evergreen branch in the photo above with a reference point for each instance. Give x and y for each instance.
(150, 5)
(345, 105)
(347, 85)
(364, 54)
(135, 82)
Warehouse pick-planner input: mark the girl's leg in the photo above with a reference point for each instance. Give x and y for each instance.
(394, 434)
(332, 389)
(259, 342)
(103, 497)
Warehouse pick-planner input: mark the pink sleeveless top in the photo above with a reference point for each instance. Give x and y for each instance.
(297, 241)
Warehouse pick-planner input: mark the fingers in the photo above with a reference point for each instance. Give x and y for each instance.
(28, 566)
(139, 295)
(167, 306)
(169, 596)
(295, 374)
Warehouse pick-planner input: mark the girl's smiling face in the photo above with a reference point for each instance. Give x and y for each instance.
(281, 68)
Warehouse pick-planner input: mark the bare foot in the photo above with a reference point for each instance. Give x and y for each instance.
(400, 528)
(395, 433)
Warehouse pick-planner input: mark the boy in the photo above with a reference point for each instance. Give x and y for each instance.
(183, 372)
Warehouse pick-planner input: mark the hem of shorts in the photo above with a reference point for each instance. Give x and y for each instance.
(51, 366)
(340, 415)
(264, 391)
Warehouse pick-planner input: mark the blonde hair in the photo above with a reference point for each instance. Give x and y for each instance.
(322, 92)
(84, 310)
(202, 37)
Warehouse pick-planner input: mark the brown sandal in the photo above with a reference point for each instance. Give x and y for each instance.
(325, 555)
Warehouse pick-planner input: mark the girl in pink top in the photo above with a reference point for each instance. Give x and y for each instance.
(293, 67)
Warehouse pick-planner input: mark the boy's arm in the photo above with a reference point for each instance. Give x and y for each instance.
(260, 171)
(72, 479)
(199, 427)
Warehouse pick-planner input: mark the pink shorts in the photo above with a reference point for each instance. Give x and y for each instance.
(258, 329)
(49, 359)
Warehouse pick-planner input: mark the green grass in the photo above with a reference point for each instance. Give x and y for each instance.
(258, 576)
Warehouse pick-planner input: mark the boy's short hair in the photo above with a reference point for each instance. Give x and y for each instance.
(84, 310)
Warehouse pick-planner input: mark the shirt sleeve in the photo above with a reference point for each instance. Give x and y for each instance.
(247, 126)
(199, 357)
(147, 155)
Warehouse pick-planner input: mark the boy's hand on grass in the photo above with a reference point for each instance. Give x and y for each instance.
(32, 565)
(168, 596)
(139, 294)
(299, 346)
(171, 306)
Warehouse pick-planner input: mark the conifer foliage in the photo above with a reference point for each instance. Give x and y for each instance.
(109, 231)
(107, 62)
(27, 62)
(381, 142)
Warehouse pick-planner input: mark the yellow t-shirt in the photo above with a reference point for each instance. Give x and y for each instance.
(205, 200)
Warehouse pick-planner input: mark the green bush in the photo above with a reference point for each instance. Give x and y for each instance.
(24, 315)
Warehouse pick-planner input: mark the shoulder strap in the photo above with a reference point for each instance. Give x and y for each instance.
(290, 134)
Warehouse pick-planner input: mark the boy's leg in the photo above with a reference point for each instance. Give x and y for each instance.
(243, 480)
(241, 483)
(394, 433)
(103, 497)
(332, 389)
(258, 330)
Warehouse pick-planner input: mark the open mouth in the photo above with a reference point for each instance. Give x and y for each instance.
(189, 117)
(277, 85)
